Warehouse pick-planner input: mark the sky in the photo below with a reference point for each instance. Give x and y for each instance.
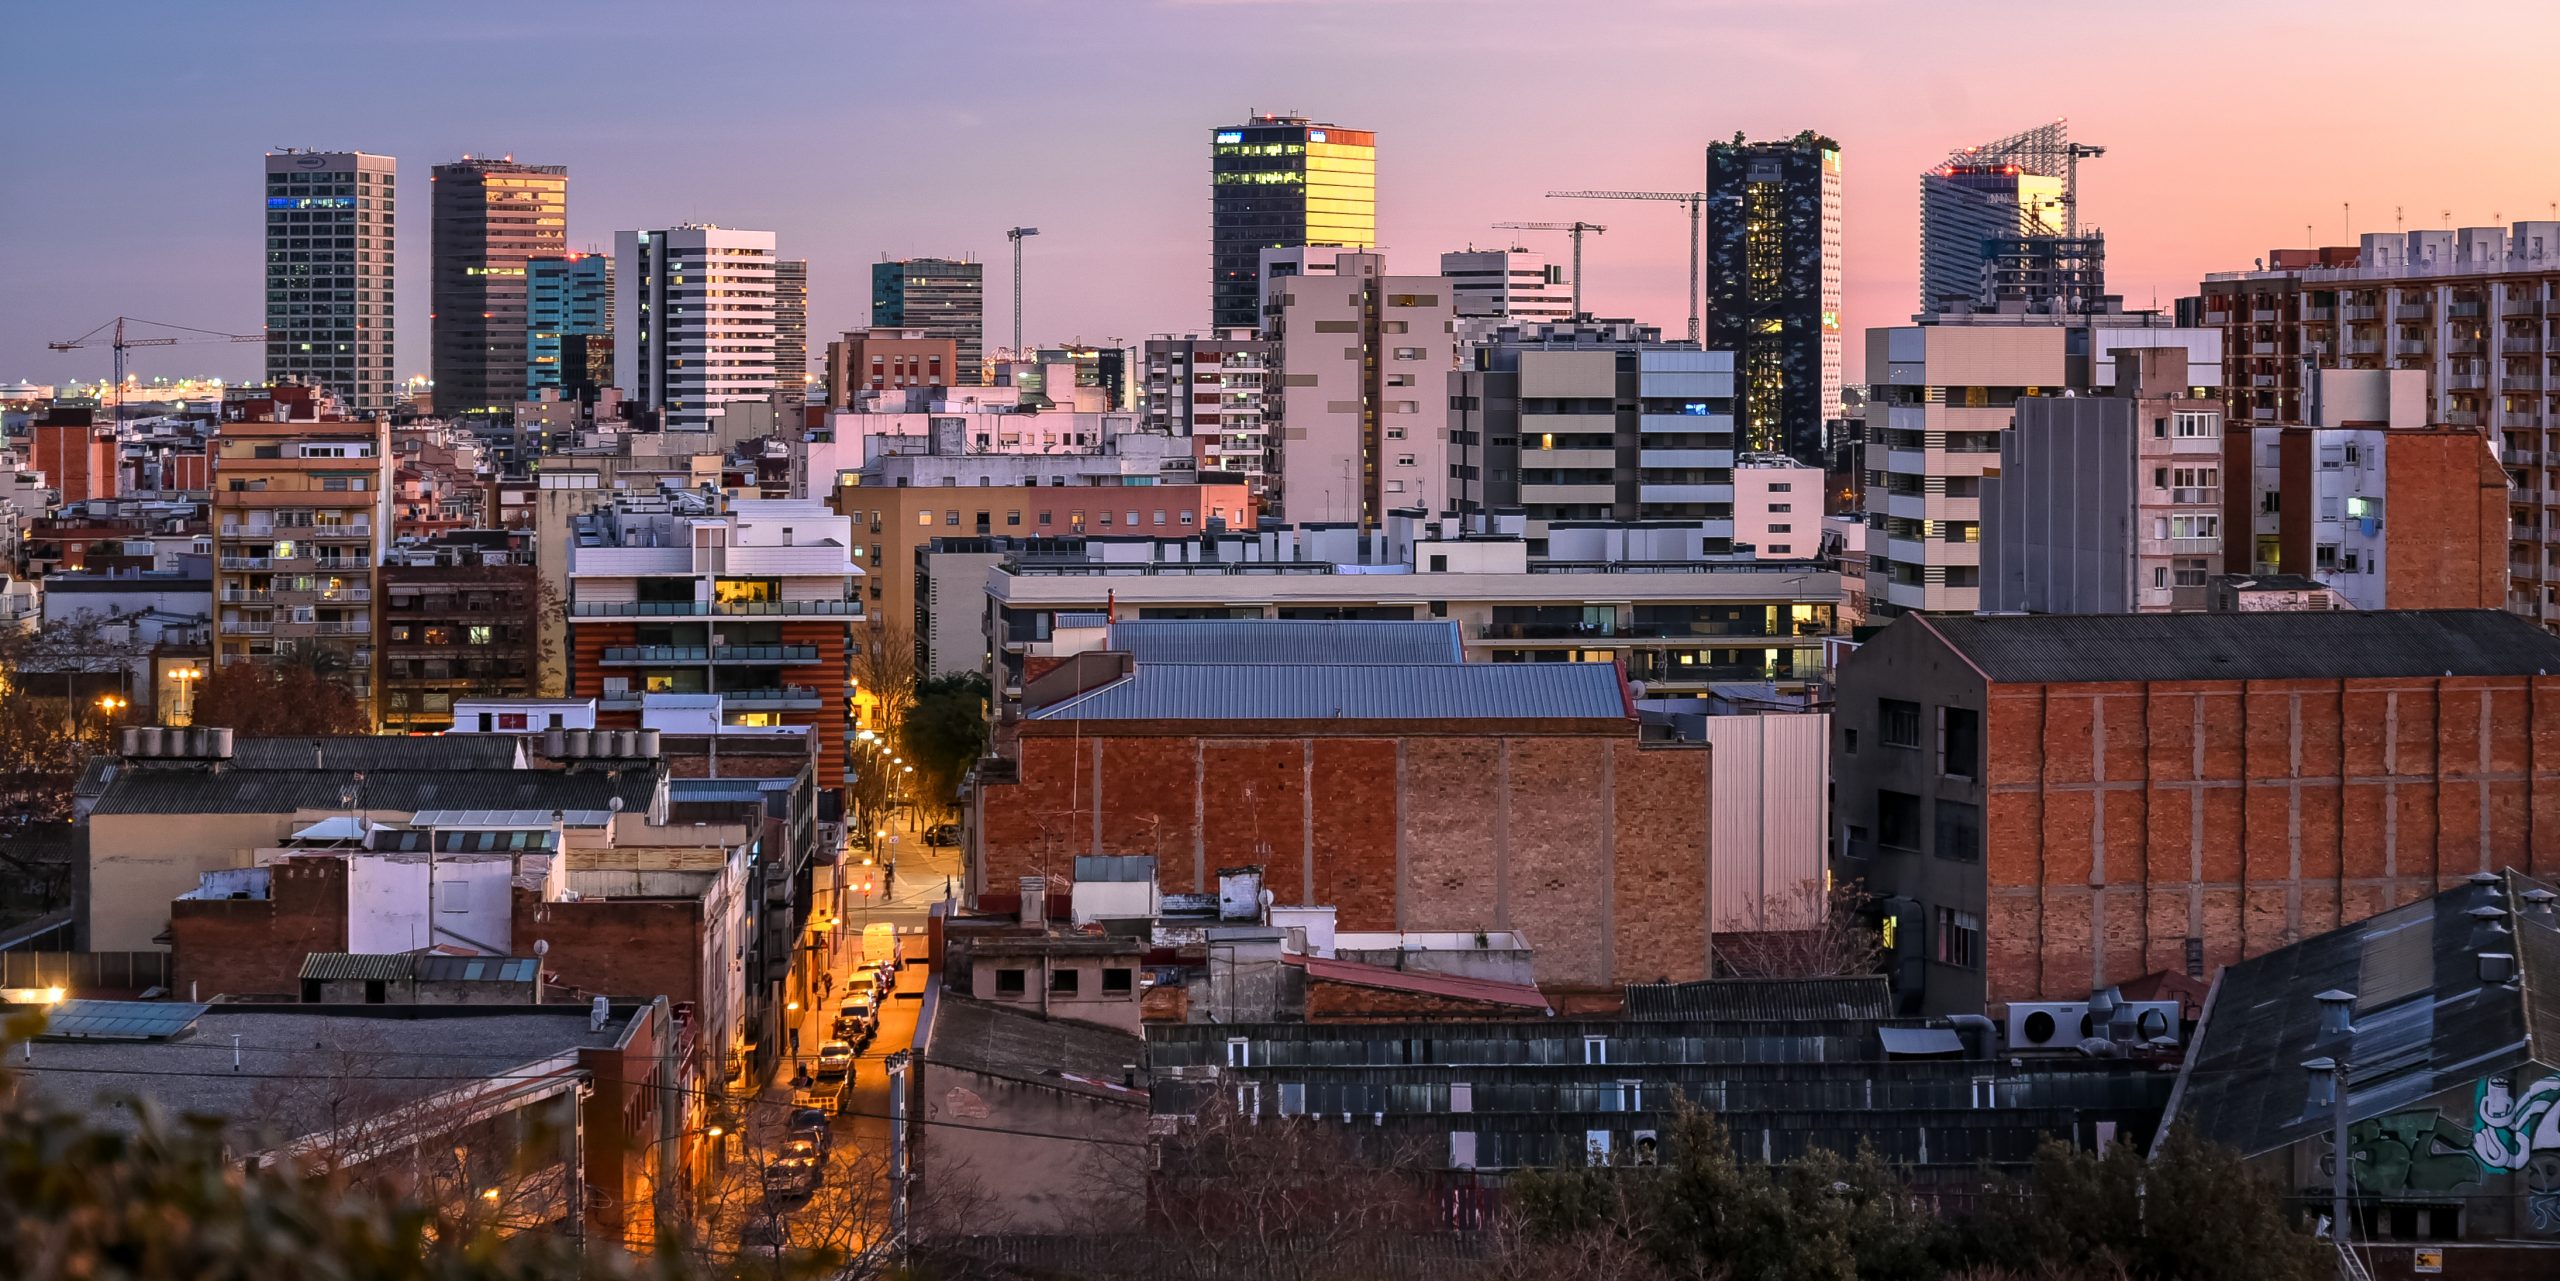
(132, 134)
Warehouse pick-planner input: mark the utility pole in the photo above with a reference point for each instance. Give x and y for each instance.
(1577, 228)
(1695, 200)
(1015, 235)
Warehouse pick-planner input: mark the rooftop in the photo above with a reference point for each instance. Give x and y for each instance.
(2423, 1021)
(1280, 640)
(976, 1036)
(2328, 645)
(1345, 691)
(1863, 996)
(286, 790)
(1526, 996)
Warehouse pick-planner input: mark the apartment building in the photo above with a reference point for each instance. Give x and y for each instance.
(1777, 507)
(301, 511)
(754, 600)
(1213, 392)
(1595, 421)
(884, 359)
(1646, 597)
(942, 298)
(1495, 287)
(76, 453)
(1775, 283)
(459, 620)
(1364, 360)
(2052, 804)
(1940, 396)
(694, 321)
(2107, 503)
(790, 339)
(330, 220)
(492, 217)
(2473, 309)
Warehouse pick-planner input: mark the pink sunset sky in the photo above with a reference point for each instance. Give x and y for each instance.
(855, 130)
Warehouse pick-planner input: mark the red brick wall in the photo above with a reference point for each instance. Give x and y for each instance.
(2444, 522)
(1591, 846)
(241, 946)
(2125, 818)
(1352, 1003)
(626, 948)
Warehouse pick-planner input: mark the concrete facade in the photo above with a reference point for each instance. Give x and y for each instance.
(1364, 363)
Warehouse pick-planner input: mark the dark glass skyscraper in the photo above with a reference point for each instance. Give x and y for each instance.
(1773, 283)
(1281, 182)
(491, 216)
(943, 297)
(568, 324)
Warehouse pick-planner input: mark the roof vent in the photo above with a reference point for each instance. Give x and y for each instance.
(2490, 884)
(2337, 1009)
(2538, 904)
(2324, 1085)
(2489, 932)
(598, 1014)
(2496, 968)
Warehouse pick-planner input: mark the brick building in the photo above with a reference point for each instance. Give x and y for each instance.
(75, 453)
(1408, 794)
(2052, 803)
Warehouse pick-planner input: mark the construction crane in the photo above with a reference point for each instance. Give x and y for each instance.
(2073, 154)
(1577, 228)
(121, 344)
(1696, 200)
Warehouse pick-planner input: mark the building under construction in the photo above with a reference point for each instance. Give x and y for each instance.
(1999, 228)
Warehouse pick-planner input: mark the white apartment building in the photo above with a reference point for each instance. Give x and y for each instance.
(1212, 392)
(1493, 287)
(694, 320)
(2475, 310)
(1777, 507)
(1939, 397)
(1364, 359)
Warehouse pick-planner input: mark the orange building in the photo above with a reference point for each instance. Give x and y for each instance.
(76, 456)
(300, 511)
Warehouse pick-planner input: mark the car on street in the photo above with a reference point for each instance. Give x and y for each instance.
(810, 1125)
(941, 835)
(791, 1176)
(835, 1058)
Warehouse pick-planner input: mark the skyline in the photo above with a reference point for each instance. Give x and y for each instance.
(900, 156)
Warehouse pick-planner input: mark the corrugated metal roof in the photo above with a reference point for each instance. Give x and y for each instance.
(1115, 867)
(2423, 1021)
(1490, 991)
(1288, 640)
(1317, 691)
(282, 791)
(2033, 648)
(372, 967)
(1859, 996)
(378, 752)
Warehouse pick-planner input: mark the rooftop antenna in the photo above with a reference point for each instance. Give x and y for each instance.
(2396, 228)
(2347, 220)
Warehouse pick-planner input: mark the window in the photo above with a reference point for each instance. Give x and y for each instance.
(1239, 1052)
(1044, 518)
(1119, 979)
(951, 517)
(1782, 487)
(1781, 549)
(924, 518)
(1781, 509)
(1898, 722)
(2192, 425)
(1439, 563)
(1959, 834)
(2195, 526)
(1009, 982)
(1064, 981)
(1595, 1049)
(1782, 528)
(1898, 820)
(1956, 938)
(1849, 742)
(1959, 742)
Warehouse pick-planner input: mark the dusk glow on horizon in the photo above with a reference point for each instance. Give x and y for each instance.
(858, 131)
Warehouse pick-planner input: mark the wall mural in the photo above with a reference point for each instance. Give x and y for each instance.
(2421, 1152)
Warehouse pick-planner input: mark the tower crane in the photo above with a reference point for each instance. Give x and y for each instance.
(121, 344)
(2073, 154)
(1577, 228)
(1695, 200)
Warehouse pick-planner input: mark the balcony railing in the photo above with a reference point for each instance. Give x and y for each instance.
(244, 596)
(786, 696)
(711, 654)
(247, 562)
(704, 608)
(359, 627)
(248, 629)
(1546, 631)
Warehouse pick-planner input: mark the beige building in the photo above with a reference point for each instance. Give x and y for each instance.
(1364, 360)
(301, 510)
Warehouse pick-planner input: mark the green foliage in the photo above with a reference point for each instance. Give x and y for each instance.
(281, 699)
(2220, 1221)
(945, 732)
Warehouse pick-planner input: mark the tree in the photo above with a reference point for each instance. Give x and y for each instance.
(273, 700)
(2189, 1212)
(1809, 932)
(945, 732)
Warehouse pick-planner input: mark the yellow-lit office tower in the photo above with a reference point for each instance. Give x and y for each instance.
(1281, 182)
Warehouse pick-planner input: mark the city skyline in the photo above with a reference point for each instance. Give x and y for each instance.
(1110, 168)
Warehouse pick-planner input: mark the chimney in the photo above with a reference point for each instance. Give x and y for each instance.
(599, 1013)
(2337, 1011)
(1035, 903)
(2324, 1085)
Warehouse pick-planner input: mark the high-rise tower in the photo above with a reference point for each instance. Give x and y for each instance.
(693, 321)
(1997, 228)
(329, 273)
(940, 298)
(1774, 284)
(791, 335)
(1281, 182)
(491, 216)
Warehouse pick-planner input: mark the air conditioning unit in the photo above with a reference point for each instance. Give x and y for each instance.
(2048, 1025)
(2151, 1020)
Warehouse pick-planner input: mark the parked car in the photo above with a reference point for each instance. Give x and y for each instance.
(791, 1176)
(809, 1123)
(835, 1058)
(942, 834)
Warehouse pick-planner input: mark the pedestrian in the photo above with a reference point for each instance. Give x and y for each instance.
(889, 879)
(795, 1043)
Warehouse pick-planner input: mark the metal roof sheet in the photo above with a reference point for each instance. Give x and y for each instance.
(282, 791)
(2321, 645)
(1288, 640)
(1115, 867)
(1860, 996)
(1318, 691)
(1490, 991)
(378, 752)
(374, 967)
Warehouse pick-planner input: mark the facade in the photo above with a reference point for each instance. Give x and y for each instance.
(1595, 421)
(568, 323)
(938, 298)
(693, 321)
(2108, 503)
(1777, 508)
(2437, 1014)
(78, 456)
(2052, 804)
(491, 218)
(1280, 182)
(754, 601)
(1981, 198)
(791, 337)
(329, 274)
(1645, 600)
(888, 360)
(1939, 398)
(1364, 361)
(1494, 287)
(1216, 393)
(456, 627)
(2472, 309)
(1774, 283)
(301, 513)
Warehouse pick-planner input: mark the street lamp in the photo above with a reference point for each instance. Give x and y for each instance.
(186, 677)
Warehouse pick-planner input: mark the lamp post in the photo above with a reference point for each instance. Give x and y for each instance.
(186, 677)
(1015, 235)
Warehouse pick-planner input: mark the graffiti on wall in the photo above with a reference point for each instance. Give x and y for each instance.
(2510, 1127)
(2420, 1151)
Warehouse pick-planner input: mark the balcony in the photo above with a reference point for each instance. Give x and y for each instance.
(2363, 313)
(2520, 346)
(2520, 382)
(707, 609)
(2416, 311)
(357, 627)
(2466, 382)
(1547, 631)
(786, 698)
(247, 562)
(247, 629)
(633, 654)
(339, 533)
(244, 596)
(2410, 347)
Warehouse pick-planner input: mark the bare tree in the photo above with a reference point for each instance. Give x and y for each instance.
(1808, 932)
